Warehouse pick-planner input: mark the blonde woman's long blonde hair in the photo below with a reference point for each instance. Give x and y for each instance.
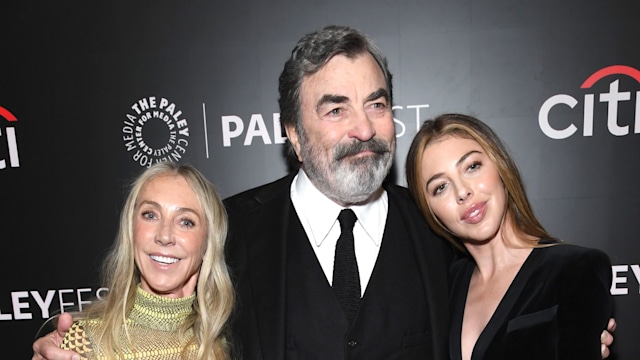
(214, 290)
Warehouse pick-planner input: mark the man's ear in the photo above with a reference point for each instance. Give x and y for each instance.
(294, 139)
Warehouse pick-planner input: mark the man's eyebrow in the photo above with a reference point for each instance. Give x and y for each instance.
(340, 99)
(378, 94)
(331, 99)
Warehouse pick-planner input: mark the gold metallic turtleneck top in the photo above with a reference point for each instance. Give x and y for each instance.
(153, 325)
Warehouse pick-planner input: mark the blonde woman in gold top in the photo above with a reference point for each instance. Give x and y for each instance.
(170, 293)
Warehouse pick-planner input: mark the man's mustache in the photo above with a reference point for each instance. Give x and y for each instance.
(377, 146)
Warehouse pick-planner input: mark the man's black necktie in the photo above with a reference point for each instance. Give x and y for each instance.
(346, 279)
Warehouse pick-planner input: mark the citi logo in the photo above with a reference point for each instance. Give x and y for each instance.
(613, 99)
(9, 133)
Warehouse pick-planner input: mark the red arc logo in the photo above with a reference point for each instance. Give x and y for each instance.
(611, 70)
(7, 114)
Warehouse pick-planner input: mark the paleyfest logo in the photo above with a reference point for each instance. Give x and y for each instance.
(155, 131)
(9, 133)
(613, 98)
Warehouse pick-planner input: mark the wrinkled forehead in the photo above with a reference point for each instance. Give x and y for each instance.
(342, 73)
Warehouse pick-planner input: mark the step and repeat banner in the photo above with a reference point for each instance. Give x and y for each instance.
(92, 92)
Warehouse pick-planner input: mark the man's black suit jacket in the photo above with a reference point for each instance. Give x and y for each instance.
(256, 255)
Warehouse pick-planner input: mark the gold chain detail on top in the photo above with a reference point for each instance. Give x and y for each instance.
(153, 325)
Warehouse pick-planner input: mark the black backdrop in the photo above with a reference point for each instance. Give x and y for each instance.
(204, 77)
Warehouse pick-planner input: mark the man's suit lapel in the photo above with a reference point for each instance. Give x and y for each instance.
(267, 259)
(433, 267)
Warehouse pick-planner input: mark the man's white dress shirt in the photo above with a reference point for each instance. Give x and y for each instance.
(319, 217)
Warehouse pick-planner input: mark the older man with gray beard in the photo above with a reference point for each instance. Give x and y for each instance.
(335, 103)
